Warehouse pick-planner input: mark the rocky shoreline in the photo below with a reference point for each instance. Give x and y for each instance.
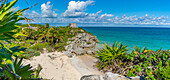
(85, 43)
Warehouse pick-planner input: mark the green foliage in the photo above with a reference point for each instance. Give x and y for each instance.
(9, 20)
(60, 46)
(109, 56)
(47, 25)
(57, 37)
(163, 73)
(19, 72)
(50, 49)
(153, 65)
(31, 52)
(39, 46)
(10, 68)
(148, 58)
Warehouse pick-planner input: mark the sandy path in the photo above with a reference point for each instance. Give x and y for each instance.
(85, 65)
(57, 66)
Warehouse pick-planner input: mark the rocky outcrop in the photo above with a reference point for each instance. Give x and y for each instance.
(92, 77)
(83, 43)
(111, 76)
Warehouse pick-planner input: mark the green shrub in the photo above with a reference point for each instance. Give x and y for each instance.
(153, 65)
(30, 42)
(40, 46)
(111, 56)
(31, 52)
(49, 48)
(60, 46)
(61, 49)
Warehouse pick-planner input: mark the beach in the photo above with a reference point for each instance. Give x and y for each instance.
(57, 66)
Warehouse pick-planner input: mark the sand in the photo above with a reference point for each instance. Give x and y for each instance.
(57, 66)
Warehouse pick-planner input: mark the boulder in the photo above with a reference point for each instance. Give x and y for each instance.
(137, 78)
(112, 76)
(92, 77)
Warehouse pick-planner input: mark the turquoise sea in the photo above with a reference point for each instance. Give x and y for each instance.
(151, 37)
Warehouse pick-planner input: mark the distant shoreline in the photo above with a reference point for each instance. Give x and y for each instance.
(106, 25)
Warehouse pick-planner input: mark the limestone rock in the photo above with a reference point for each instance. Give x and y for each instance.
(112, 76)
(92, 77)
(83, 43)
(137, 78)
(79, 51)
(89, 51)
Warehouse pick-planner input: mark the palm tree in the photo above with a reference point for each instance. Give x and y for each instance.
(43, 34)
(52, 32)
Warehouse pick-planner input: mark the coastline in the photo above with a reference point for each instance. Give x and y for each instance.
(134, 47)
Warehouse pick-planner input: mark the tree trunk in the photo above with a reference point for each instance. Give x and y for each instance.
(52, 41)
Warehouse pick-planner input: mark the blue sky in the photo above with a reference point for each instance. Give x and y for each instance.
(90, 9)
(117, 7)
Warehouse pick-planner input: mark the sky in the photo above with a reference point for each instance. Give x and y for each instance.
(142, 12)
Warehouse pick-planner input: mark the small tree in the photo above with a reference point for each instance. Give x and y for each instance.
(47, 25)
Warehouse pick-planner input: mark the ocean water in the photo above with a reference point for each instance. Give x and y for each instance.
(150, 37)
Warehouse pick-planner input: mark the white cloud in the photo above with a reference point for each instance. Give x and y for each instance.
(76, 9)
(141, 20)
(46, 10)
(106, 15)
(33, 14)
(76, 13)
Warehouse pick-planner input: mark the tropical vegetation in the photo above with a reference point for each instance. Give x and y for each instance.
(153, 65)
(38, 38)
(11, 67)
